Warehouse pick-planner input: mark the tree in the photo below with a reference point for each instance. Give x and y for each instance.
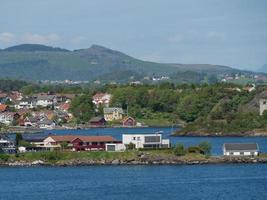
(179, 150)
(64, 145)
(82, 108)
(18, 138)
(205, 147)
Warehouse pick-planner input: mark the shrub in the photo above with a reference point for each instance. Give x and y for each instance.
(4, 157)
(205, 147)
(179, 150)
(194, 149)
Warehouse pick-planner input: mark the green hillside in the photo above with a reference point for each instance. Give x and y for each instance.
(39, 62)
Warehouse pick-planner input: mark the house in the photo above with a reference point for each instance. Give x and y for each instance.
(7, 145)
(111, 114)
(3, 107)
(250, 88)
(128, 121)
(15, 96)
(26, 103)
(91, 143)
(4, 97)
(263, 106)
(8, 117)
(145, 140)
(78, 142)
(46, 124)
(240, 149)
(31, 121)
(115, 147)
(98, 121)
(64, 107)
(101, 99)
(44, 100)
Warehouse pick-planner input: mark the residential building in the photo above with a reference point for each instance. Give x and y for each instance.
(111, 114)
(3, 107)
(115, 147)
(128, 122)
(44, 100)
(101, 99)
(78, 142)
(26, 103)
(7, 118)
(263, 105)
(240, 149)
(7, 145)
(145, 140)
(98, 121)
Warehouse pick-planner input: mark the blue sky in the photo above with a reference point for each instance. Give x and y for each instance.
(226, 32)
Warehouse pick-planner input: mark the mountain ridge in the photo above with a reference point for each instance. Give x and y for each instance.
(40, 62)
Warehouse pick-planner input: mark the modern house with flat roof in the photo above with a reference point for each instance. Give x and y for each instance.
(240, 149)
(145, 140)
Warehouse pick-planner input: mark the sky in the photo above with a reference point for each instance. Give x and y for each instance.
(225, 32)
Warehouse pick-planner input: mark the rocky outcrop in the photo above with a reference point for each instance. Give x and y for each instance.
(142, 160)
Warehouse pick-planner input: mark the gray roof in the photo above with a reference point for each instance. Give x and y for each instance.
(111, 110)
(46, 97)
(241, 147)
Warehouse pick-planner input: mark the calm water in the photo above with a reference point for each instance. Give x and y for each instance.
(216, 142)
(207, 182)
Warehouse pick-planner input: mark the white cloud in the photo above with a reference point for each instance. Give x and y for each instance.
(7, 38)
(49, 39)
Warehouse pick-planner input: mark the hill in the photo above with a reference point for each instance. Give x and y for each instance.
(39, 62)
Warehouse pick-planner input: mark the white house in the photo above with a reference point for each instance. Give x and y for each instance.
(115, 147)
(263, 105)
(46, 100)
(101, 99)
(6, 118)
(26, 103)
(146, 140)
(7, 145)
(240, 149)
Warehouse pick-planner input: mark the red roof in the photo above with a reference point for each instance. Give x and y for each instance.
(70, 138)
(64, 106)
(3, 107)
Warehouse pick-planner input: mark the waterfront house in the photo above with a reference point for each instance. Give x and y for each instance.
(111, 114)
(128, 121)
(91, 143)
(78, 142)
(115, 147)
(98, 121)
(6, 145)
(240, 149)
(145, 140)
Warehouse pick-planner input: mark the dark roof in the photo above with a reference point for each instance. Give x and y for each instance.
(241, 147)
(97, 119)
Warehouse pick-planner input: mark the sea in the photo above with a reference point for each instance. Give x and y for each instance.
(181, 182)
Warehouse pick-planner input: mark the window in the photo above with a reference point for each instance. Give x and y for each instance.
(133, 138)
(242, 153)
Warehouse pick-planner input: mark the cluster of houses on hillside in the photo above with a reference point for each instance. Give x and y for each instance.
(40, 110)
(46, 110)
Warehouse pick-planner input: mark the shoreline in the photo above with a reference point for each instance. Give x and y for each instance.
(140, 161)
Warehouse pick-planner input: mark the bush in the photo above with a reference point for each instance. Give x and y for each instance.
(194, 149)
(179, 150)
(205, 148)
(4, 157)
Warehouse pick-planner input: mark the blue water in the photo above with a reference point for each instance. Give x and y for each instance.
(207, 182)
(216, 142)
